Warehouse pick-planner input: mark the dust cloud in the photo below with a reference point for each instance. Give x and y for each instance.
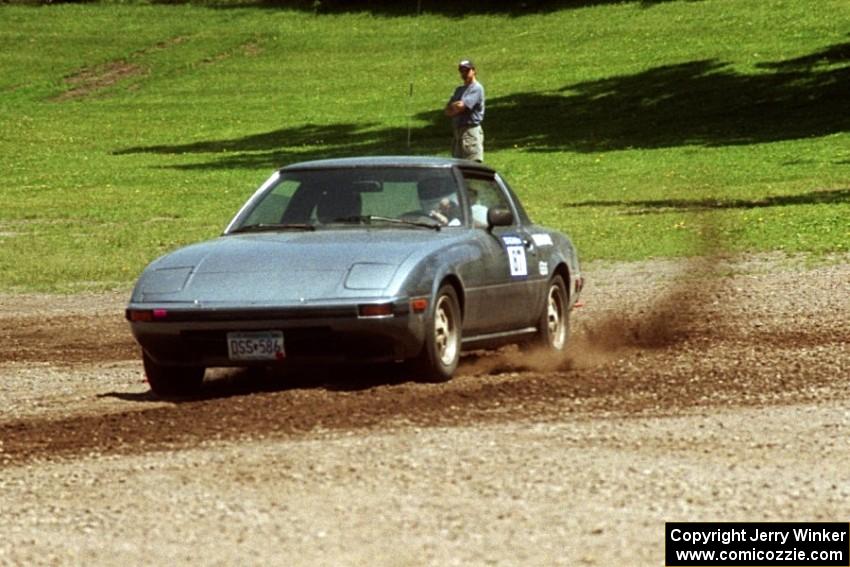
(676, 314)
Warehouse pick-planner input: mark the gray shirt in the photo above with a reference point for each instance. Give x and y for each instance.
(472, 96)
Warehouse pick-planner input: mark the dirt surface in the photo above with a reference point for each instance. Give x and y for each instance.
(693, 390)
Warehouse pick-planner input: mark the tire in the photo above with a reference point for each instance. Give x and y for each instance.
(553, 326)
(172, 381)
(441, 352)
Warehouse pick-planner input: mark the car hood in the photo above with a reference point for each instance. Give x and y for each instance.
(284, 268)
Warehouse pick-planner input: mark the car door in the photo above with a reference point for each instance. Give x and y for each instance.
(538, 246)
(501, 293)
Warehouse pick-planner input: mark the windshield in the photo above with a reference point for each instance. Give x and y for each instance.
(379, 196)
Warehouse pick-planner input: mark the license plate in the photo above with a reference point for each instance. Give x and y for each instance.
(260, 345)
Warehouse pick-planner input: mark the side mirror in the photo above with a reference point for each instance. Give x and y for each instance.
(500, 217)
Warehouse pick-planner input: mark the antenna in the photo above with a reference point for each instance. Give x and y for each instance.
(412, 71)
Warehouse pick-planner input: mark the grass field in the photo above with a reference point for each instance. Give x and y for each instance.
(642, 129)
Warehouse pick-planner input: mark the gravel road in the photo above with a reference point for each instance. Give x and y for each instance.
(694, 390)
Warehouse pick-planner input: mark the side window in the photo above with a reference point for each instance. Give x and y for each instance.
(484, 194)
(523, 215)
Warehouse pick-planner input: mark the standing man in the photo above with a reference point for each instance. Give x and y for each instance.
(466, 109)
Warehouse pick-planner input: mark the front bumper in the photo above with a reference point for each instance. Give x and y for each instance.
(197, 336)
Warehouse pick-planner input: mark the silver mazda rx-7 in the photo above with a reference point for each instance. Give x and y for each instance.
(393, 259)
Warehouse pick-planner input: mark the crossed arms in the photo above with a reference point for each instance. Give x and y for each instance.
(454, 108)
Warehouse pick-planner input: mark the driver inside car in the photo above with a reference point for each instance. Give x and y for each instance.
(447, 212)
(438, 199)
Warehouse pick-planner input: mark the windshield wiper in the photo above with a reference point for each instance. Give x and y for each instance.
(369, 219)
(271, 227)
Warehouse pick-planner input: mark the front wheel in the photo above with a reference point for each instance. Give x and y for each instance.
(553, 326)
(441, 352)
(172, 381)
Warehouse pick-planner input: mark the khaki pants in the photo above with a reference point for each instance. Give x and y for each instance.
(468, 143)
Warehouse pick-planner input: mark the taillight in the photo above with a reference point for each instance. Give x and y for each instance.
(145, 315)
(139, 315)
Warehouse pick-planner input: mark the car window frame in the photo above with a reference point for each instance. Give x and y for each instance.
(518, 208)
(269, 185)
(245, 210)
(502, 187)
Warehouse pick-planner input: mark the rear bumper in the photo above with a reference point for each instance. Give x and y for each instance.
(326, 334)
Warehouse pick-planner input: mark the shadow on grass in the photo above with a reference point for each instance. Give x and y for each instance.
(275, 148)
(817, 197)
(458, 8)
(703, 103)
(700, 103)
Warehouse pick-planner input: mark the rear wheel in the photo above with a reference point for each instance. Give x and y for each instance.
(171, 381)
(440, 355)
(553, 326)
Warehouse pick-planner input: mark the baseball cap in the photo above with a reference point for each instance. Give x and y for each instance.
(466, 63)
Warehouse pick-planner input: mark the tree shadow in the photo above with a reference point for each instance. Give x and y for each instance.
(817, 197)
(703, 103)
(699, 103)
(833, 55)
(272, 149)
(458, 8)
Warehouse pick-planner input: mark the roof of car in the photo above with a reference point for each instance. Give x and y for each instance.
(387, 161)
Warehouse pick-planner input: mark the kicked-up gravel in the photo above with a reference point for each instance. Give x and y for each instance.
(693, 390)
